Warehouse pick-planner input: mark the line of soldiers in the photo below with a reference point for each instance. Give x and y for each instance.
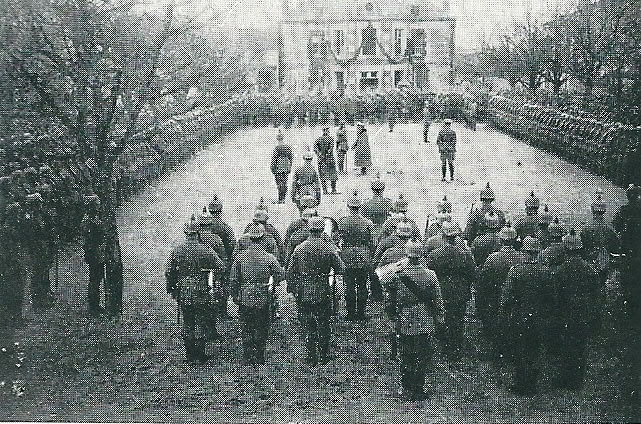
(606, 148)
(534, 283)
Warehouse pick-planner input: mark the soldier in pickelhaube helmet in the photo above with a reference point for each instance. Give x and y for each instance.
(599, 238)
(528, 225)
(305, 181)
(281, 165)
(488, 242)
(476, 220)
(191, 268)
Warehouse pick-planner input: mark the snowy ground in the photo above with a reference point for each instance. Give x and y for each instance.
(80, 369)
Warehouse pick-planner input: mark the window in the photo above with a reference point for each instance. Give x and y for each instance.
(398, 37)
(416, 43)
(369, 41)
(369, 80)
(339, 41)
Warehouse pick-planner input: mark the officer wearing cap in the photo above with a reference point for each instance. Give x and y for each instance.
(342, 146)
(362, 150)
(188, 275)
(94, 248)
(488, 287)
(599, 238)
(281, 165)
(525, 305)
(220, 227)
(250, 287)
(488, 242)
(553, 255)
(434, 222)
(543, 233)
(399, 213)
(324, 149)
(446, 142)
(420, 314)
(305, 181)
(476, 220)
(308, 278)
(455, 269)
(301, 233)
(573, 313)
(528, 225)
(356, 235)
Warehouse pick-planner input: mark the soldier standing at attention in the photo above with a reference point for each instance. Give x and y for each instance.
(220, 227)
(489, 284)
(305, 181)
(528, 225)
(434, 222)
(249, 281)
(427, 122)
(308, 277)
(599, 239)
(281, 165)
(324, 149)
(525, 299)
(446, 142)
(421, 314)
(574, 313)
(188, 275)
(357, 244)
(342, 146)
(94, 248)
(476, 220)
(361, 148)
(261, 215)
(455, 269)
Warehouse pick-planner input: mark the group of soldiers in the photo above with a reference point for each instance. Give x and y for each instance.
(535, 282)
(606, 148)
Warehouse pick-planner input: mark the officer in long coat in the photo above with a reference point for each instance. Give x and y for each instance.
(528, 225)
(525, 303)
(324, 149)
(488, 242)
(446, 142)
(361, 148)
(342, 146)
(455, 269)
(420, 312)
(490, 281)
(250, 287)
(305, 181)
(308, 278)
(356, 235)
(188, 281)
(574, 313)
(281, 165)
(94, 250)
(476, 220)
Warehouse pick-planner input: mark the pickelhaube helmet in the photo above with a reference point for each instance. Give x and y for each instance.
(507, 233)
(308, 155)
(215, 205)
(205, 218)
(260, 215)
(491, 220)
(414, 250)
(191, 227)
(531, 244)
(280, 136)
(256, 231)
(451, 228)
(532, 202)
(404, 229)
(401, 204)
(354, 200)
(546, 217)
(444, 205)
(377, 183)
(598, 206)
(262, 205)
(556, 229)
(572, 241)
(487, 193)
(316, 223)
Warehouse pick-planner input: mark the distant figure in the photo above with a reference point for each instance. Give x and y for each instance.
(324, 149)
(427, 122)
(281, 166)
(342, 146)
(362, 152)
(305, 181)
(446, 142)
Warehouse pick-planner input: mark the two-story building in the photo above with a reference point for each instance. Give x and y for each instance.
(366, 45)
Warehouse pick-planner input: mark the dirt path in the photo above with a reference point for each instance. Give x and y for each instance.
(75, 368)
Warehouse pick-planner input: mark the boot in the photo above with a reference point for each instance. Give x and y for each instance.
(451, 172)
(324, 184)
(443, 171)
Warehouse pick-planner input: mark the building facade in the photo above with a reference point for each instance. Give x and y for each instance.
(363, 46)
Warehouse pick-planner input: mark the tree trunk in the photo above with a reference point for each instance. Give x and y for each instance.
(113, 259)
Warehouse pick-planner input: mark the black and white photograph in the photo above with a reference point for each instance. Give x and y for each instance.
(320, 211)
